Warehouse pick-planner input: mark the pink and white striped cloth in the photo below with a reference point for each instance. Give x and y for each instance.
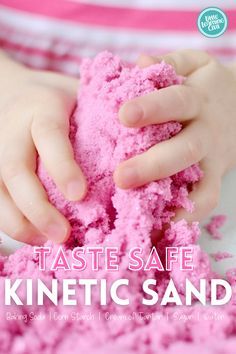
(56, 34)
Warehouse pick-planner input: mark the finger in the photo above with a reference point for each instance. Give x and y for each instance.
(184, 61)
(179, 103)
(205, 197)
(14, 224)
(50, 135)
(145, 60)
(164, 159)
(29, 196)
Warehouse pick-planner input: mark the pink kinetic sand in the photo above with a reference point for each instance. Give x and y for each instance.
(110, 216)
(219, 256)
(214, 225)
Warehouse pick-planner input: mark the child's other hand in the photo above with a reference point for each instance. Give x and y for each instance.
(34, 111)
(206, 106)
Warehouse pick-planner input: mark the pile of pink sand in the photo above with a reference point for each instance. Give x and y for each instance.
(111, 216)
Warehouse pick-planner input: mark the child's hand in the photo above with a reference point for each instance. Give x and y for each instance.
(34, 111)
(206, 106)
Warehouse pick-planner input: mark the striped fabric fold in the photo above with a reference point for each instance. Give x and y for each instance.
(110, 16)
(57, 34)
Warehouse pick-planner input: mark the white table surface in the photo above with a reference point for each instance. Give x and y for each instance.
(226, 206)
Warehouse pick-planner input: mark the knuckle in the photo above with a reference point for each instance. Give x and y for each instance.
(206, 57)
(39, 212)
(154, 167)
(63, 166)
(66, 164)
(214, 66)
(196, 52)
(170, 59)
(41, 215)
(46, 127)
(188, 51)
(192, 152)
(47, 95)
(180, 94)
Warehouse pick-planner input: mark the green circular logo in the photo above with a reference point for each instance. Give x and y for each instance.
(212, 22)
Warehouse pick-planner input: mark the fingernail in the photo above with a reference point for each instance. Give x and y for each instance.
(56, 232)
(75, 190)
(133, 113)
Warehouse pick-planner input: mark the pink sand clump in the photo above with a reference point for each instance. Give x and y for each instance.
(221, 255)
(216, 222)
(111, 216)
